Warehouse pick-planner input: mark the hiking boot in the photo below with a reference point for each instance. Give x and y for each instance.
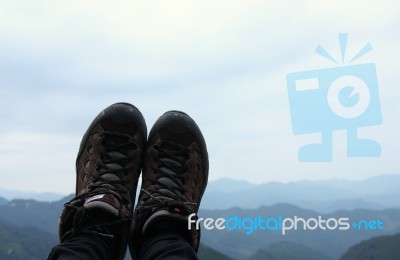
(174, 177)
(107, 170)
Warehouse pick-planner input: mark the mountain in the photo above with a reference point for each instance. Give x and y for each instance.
(3, 201)
(207, 253)
(342, 204)
(323, 196)
(239, 245)
(39, 196)
(42, 215)
(287, 251)
(227, 185)
(382, 247)
(18, 243)
(387, 183)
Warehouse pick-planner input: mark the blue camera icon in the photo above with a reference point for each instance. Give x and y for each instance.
(325, 100)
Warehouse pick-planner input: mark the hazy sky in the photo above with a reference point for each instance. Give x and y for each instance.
(222, 62)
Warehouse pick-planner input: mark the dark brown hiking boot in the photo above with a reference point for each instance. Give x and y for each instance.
(108, 167)
(175, 174)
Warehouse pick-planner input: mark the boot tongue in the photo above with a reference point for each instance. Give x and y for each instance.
(106, 203)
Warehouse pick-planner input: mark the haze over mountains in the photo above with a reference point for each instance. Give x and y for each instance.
(324, 196)
(6, 194)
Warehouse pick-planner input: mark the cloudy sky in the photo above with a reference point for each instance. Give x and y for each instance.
(222, 62)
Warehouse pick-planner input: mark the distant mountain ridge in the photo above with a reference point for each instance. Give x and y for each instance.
(377, 193)
(42, 215)
(287, 251)
(324, 196)
(3, 201)
(39, 196)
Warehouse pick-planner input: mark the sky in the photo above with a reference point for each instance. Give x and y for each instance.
(222, 62)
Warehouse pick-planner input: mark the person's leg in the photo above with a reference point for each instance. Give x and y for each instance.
(174, 178)
(83, 246)
(95, 223)
(166, 243)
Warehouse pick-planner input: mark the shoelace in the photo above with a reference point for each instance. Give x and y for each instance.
(80, 223)
(116, 159)
(169, 186)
